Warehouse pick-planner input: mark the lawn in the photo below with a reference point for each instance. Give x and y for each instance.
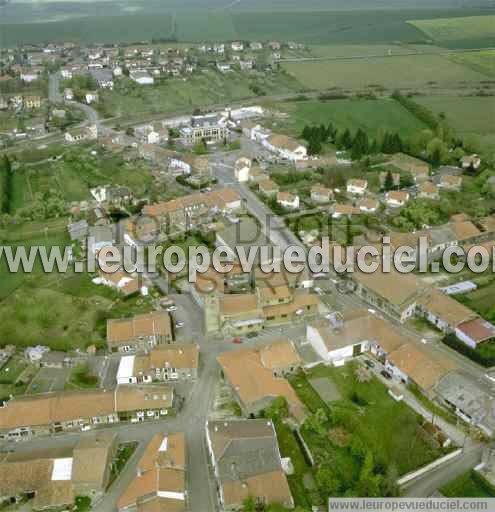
(81, 378)
(468, 485)
(372, 116)
(470, 31)
(365, 423)
(12, 369)
(409, 71)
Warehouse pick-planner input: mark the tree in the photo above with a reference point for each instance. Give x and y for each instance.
(316, 422)
(369, 482)
(327, 482)
(360, 145)
(389, 182)
(278, 409)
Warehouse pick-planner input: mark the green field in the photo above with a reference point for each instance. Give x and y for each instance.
(465, 114)
(468, 485)
(373, 116)
(482, 61)
(463, 32)
(310, 22)
(409, 71)
(209, 88)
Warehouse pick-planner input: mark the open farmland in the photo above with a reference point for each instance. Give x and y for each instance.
(482, 61)
(459, 32)
(470, 114)
(370, 115)
(409, 71)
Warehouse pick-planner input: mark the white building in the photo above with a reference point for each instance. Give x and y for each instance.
(285, 147)
(357, 187)
(396, 198)
(242, 169)
(141, 77)
(288, 200)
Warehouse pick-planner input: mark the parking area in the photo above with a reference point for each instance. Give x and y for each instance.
(48, 380)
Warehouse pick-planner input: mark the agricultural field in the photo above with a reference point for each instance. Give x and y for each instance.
(459, 32)
(409, 71)
(209, 88)
(482, 61)
(470, 114)
(373, 116)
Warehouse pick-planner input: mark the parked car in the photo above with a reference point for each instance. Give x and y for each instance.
(251, 335)
(386, 374)
(237, 340)
(179, 324)
(172, 308)
(369, 364)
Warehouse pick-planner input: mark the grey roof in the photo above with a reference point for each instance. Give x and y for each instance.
(204, 120)
(442, 235)
(244, 448)
(102, 75)
(101, 233)
(449, 169)
(468, 396)
(78, 230)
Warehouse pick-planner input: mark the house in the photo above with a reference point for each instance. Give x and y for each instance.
(103, 77)
(288, 200)
(237, 46)
(428, 190)
(141, 77)
(160, 364)
(32, 102)
(78, 230)
(396, 198)
(29, 76)
(123, 282)
(50, 480)
(87, 133)
(65, 411)
(470, 162)
(474, 332)
(341, 338)
(92, 464)
(242, 168)
(409, 364)
(54, 359)
(268, 187)
(91, 97)
(256, 46)
(240, 313)
(320, 194)
(444, 312)
(256, 377)
(468, 400)
(140, 332)
(160, 480)
(344, 210)
(224, 67)
(393, 292)
(368, 205)
(285, 147)
(357, 187)
(247, 463)
(450, 182)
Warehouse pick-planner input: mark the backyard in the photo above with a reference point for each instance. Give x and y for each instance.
(368, 436)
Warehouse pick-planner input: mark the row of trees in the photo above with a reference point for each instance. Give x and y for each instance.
(359, 144)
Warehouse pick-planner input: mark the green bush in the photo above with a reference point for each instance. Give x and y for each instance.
(475, 355)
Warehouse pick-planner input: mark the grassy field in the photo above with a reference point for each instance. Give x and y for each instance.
(368, 417)
(470, 114)
(409, 71)
(372, 116)
(199, 90)
(468, 485)
(464, 32)
(482, 61)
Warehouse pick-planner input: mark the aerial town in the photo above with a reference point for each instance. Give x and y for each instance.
(247, 390)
